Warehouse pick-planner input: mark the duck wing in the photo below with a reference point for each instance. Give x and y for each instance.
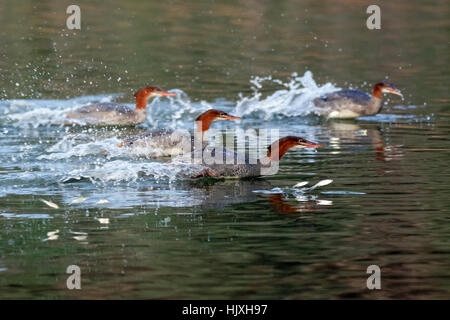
(348, 100)
(165, 141)
(107, 107)
(355, 96)
(222, 162)
(157, 137)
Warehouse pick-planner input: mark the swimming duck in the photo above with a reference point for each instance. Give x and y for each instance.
(235, 165)
(116, 114)
(169, 142)
(351, 103)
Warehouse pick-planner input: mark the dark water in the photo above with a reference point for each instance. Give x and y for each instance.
(161, 236)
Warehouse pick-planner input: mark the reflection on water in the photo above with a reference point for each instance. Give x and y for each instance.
(139, 229)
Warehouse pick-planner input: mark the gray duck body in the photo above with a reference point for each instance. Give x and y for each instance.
(223, 163)
(347, 103)
(107, 114)
(169, 142)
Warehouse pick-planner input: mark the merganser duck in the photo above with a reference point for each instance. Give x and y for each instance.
(170, 142)
(117, 114)
(242, 166)
(350, 103)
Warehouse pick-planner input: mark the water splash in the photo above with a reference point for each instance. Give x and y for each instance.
(36, 113)
(82, 145)
(126, 171)
(295, 100)
(67, 148)
(179, 111)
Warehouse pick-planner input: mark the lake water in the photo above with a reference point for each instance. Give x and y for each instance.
(138, 229)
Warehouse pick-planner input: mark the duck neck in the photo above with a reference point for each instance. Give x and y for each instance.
(375, 103)
(377, 92)
(201, 129)
(202, 134)
(141, 102)
(278, 149)
(203, 124)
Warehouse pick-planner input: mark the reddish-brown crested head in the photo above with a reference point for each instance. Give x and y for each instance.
(384, 86)
(207, 117)
(142, 95)
(277, 149)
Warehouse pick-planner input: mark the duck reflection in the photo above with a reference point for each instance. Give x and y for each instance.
(219, 194)
(222, 193)
(345, 132)
(279, 204)
(203, 193)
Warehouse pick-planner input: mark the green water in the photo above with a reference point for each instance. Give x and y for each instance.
(164, 238)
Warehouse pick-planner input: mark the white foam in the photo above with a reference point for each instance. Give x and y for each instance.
(67, 148)
(44, 112)
(295, 100)
(120, 170)
(108, 163)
